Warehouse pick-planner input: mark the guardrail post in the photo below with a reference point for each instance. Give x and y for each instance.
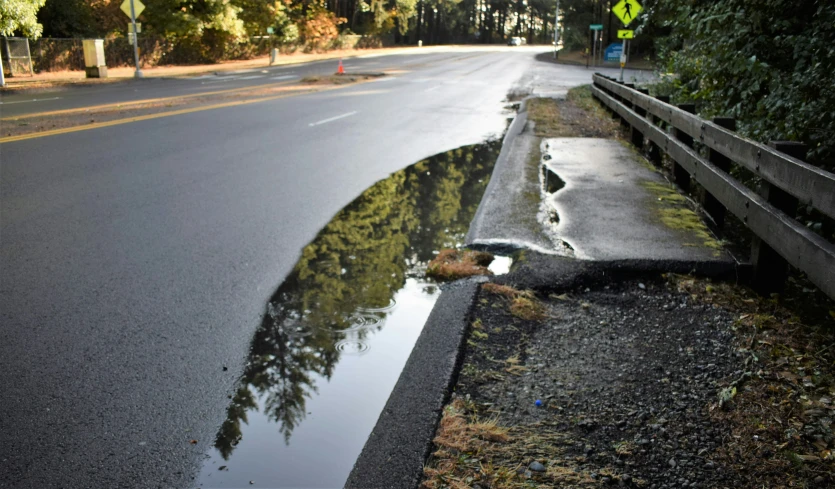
(680, 174)
(617, 97)
(656, 155)
(627, 102)
(638, 136)
(771, 269)
(711, 203)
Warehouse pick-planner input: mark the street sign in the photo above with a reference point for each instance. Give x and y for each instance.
(613, 52)
(138, 27)
(624, 34)
(270, 30)
(596, 27)
(131, 35)
(138, 7)
(627, 10)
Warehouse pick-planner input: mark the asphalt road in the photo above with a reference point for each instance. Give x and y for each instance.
(136, 260)
(70, 97)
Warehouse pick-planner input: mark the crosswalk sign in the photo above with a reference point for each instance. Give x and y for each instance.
(627, 10)
(624, 34)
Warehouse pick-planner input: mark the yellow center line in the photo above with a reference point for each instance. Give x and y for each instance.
(98, 125)
(141, 102)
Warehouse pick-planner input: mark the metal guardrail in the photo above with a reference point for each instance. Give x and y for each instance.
(769, 213)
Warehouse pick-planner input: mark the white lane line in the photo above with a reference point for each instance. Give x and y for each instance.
(27, 101)
(251, 77)
(432, 88)
(325, 121)
(283, 77)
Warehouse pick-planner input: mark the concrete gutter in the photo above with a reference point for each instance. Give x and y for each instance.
(394, 454)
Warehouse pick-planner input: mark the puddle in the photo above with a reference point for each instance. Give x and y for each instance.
(337, 333)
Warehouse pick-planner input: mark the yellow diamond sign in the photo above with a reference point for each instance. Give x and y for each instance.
(626, 10)
(138, 7)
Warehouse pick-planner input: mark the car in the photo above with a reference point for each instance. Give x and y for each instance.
(515, 41)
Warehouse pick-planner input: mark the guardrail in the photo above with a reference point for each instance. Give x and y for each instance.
(769, 213)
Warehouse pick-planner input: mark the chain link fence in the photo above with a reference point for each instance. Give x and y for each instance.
(24, 56)
(16, 56)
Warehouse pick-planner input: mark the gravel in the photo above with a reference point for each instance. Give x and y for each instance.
(625, 370)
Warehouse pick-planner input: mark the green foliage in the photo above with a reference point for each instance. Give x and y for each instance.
(20, 16)
(768, 63)
(67, 18)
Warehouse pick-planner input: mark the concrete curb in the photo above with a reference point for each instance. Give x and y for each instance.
(394, 454)
(515, 129)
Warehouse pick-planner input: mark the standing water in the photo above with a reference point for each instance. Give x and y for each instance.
(337, 333)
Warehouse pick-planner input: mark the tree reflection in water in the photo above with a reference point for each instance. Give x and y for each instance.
(344, 283)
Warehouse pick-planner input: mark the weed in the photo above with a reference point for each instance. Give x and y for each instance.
(455, 264)
(523, 304)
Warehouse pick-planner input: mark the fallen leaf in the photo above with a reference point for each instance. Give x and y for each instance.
(193, 442)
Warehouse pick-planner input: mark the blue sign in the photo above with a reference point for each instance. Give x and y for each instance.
(613, 52)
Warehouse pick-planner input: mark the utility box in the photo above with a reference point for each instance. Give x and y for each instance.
(94, 64)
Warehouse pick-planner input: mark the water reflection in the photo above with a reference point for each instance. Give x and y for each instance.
(343, 289)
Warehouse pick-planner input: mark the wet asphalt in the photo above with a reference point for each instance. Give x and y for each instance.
(137, 259)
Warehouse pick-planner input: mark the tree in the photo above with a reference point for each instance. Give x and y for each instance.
(20, 16)
(768, 63)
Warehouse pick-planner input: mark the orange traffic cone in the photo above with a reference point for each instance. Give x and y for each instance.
(340, 70)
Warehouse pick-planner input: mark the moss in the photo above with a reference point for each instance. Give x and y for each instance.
(671, 209)
(639, 158)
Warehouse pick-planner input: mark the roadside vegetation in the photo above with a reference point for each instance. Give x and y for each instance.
(454, 264)
(579, 115)
(659, 380)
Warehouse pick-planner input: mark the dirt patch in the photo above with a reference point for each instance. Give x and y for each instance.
(453, 264)
(650, 382)
(336, 79)
(576, 116)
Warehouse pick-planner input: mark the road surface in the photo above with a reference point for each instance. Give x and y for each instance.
(136, 259)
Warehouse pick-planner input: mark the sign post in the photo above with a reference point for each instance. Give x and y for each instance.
(595, 30)
(557, 30)
(132, 8)
(626, 11)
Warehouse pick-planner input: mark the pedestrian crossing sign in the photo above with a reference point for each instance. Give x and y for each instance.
(624, 34)
(627, 10)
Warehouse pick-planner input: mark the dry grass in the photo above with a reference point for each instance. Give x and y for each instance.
(470, 451)
(545, 113)
(523, 304)
(455, 264)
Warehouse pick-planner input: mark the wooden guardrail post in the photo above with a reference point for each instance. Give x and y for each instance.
(771, 269)
(628, 103)
(617, 97)
(711, 204)
(656, 155)
(637, 136)
(680, 174)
